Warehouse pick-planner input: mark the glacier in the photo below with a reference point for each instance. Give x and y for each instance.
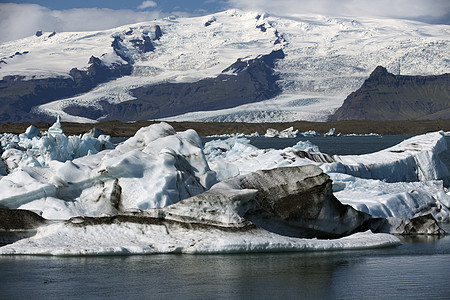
(158, 172)
(326, 59)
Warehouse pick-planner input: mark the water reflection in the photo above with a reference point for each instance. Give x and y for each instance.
(415, 268)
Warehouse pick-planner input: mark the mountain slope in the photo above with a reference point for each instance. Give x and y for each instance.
(181, 67)
(249, 81)
(385, 96)
(19, 96)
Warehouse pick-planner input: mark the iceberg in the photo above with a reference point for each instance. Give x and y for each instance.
(286, 133)
(310, 133)
(161, 191)
(250, 213)
(406, 180)
(415, 159)
(125, 238)
(235, 156)
(36, 149)
(400, 199)
(154, 168)
(331, 132)
(270, 133)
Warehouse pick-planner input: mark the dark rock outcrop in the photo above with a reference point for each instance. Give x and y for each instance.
(251, 81)
(385, 96)
(144, 45)
(19, 95)
(210, 21)
(120, 49)
(262, 27)
(97, 72)
(158, 32)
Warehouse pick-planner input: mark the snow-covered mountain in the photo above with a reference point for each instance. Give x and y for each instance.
(225, 62)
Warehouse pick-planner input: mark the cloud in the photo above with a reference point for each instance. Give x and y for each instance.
(435, 11)
(147, 4)
(22, 20)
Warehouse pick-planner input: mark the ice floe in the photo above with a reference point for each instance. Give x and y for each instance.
(133, 238)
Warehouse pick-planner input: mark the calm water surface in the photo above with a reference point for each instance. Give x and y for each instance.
(419, 268)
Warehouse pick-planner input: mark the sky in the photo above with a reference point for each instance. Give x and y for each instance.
(23, 18)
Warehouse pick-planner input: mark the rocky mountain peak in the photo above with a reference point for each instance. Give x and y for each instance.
(380, 74)
(385, 96)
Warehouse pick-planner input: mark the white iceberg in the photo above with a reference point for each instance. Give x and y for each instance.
(310, 133)
(415, 159)
(286, 133)
(331, 132)
(407, 179)
(270, 133)
(235, 156)
(399, 199)
(36, 149)
(154, 168)
(159, 167)
(134, 238)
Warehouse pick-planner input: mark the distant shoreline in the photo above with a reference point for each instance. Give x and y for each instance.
(122, 129)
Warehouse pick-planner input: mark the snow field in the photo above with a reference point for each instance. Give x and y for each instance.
(326, 58)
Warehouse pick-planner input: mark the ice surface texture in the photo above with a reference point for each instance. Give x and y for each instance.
(149, 194)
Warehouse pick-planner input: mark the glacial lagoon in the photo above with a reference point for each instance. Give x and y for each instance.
(418, 268)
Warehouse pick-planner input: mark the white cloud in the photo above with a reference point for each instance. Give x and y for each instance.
(147, 4)
(424, 10)
(22, 20)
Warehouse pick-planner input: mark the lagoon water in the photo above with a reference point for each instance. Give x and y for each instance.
(419, 268)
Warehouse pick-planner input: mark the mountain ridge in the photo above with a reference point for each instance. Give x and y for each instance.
(325, 59)
(385, 96)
